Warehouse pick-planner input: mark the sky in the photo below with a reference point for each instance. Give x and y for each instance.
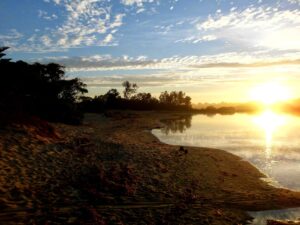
(214, 50)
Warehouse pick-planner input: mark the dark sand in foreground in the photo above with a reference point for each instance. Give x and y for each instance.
(112, 170)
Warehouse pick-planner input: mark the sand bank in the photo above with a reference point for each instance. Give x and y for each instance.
(112, 170)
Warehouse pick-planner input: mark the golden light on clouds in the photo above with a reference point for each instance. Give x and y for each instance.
(274, 39)
(270, 93)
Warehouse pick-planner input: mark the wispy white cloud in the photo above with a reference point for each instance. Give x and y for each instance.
(46, 16)
(46, 40)
(164, 29)
(262, 27)
(140, 10)
(139, 3)
(108, 39)
(86, 23)
(294, 1)
(192, 79)
(195, 39)
(10, 39)
(57, 1)
(225, 60)
(12, 35)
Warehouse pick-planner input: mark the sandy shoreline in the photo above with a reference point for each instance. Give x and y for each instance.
(112, 170)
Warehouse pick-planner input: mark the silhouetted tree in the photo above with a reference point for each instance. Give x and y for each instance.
(144, 97)
(187, 101)
(2, 50)
(130, 89)
(112, 94)
(39, 89)
(175, 99)
(111, 98)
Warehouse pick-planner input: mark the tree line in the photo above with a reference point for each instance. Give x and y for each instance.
(136, 101)
(43, 90)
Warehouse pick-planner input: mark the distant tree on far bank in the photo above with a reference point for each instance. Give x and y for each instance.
(136, 101)
(175, 99)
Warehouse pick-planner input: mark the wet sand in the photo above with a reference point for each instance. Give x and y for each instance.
(112, 170)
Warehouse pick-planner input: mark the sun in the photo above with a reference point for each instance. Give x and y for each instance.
(270, 93)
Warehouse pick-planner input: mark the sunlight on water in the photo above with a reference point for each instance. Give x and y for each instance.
(261, 217)
(270, 122)
(270, 141)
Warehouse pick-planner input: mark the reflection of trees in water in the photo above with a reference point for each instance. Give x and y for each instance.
(177, 125)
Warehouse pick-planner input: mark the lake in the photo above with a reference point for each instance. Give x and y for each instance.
(270, 141)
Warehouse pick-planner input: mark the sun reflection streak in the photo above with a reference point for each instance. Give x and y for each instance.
(269, 121)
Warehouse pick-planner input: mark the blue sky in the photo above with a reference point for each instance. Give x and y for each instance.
(214, 50)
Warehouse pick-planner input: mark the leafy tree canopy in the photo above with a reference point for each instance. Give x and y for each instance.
(38, 89)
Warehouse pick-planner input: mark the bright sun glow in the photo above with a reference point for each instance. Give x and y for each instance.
(270, 93)
(269, 122)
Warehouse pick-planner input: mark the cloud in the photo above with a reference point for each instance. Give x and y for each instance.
(139, 3)
(259, 27)
(102, 72)
(86, 23)
(140, 10)
(222, 60)
(108, 39)
(168, 80)
(118, 21)
(57, 2)
(154, 80)
(210, 76)
(255, 64)
(195, 39)
(11, 39)
(46, 16)
(12, 35)
(294, 1)
(46, 40)
(164, 29)
(100, 62)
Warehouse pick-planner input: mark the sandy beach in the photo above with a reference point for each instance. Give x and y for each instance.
(112, 170)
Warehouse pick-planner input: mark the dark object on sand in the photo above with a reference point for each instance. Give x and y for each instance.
(182, 150)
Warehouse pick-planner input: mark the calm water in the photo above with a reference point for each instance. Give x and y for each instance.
(269, 141)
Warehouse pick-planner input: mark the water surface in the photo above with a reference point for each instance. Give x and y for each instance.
(269, 141)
